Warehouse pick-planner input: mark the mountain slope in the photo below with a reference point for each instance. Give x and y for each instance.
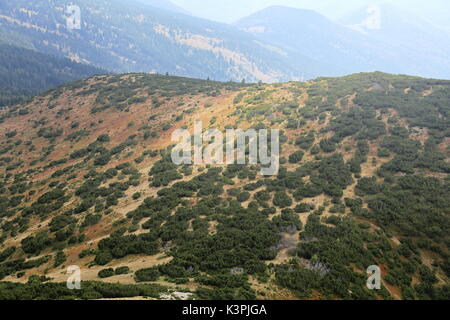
(388, 24)
(164, 4)
(136, 37)
(311, 34)
(436, 13)
(275, 44)
(24, 73)
(403, 47)
(87, 180)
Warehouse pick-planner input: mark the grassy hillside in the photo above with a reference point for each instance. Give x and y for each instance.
(364, 180)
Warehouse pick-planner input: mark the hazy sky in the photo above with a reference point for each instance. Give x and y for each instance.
(231, 10)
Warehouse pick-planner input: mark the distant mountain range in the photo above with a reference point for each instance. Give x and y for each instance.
(373, 38)
(275, 44)
(425, 47)
(135, 37)
(162, 4)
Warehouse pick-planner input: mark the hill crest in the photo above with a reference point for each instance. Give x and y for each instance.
(90, 183)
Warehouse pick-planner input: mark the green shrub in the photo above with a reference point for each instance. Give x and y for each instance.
(60, 258)
(296, 157)
(147, 275)
(282, 200)
(122, 270)
(106, 273)
(104, 138)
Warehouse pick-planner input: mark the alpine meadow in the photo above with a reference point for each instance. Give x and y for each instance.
(149, 152)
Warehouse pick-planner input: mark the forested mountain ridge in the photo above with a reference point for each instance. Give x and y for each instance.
(273, 45)
(24, 73)
(364, 180)
(136, 37)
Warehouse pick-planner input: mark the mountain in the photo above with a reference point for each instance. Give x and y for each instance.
(87, 180)
(163, 4)
(388, 24)
(307, 32)
(227, 11)
(435, 12)
(24, 73)
(404, 45)
(272, 45)
(133, 37)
